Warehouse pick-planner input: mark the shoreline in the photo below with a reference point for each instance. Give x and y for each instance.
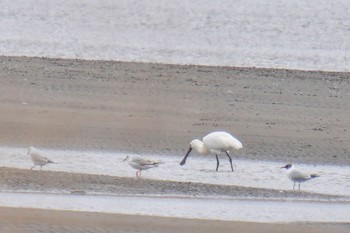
(70, 192)
(69, 183)
(333, 72)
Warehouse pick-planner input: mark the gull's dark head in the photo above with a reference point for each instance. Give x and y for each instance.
(287, 166)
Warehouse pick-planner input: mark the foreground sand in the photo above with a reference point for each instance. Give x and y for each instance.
(35, 220)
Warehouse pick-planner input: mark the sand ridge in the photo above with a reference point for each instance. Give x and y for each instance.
(26, 180)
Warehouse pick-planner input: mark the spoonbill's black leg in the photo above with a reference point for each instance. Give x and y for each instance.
(217, 162)
(229, 157)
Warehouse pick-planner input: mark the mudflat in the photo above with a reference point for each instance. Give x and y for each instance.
(288, 115)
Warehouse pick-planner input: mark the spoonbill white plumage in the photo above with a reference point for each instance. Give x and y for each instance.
(299, 176)
(214, 143)
(141, 164)
(38, 158)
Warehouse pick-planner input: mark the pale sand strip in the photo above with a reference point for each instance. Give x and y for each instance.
(37, 220)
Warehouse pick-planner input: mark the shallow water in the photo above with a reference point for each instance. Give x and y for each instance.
(311, 35)
(262, 174)
(203, 208)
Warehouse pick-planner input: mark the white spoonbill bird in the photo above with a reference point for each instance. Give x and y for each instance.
(299, 176)
(214, 143)
(38, 158)
(141, 164)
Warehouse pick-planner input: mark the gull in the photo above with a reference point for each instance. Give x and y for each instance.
(38, 158)
(214, 143)
(141, 164)
(299, 176)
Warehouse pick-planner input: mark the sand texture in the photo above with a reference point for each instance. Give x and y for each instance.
(34, 220)
(283, 115)
(13, 179)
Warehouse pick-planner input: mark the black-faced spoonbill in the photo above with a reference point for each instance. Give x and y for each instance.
(214, 143)
(296, 175)
(141, 164)
(37, 158)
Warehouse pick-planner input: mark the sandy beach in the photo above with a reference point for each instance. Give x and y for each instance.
(35, 220)
(280, 115)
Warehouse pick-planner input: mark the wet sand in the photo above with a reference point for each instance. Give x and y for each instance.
(37, 220)
(13, 179)
(284, 115)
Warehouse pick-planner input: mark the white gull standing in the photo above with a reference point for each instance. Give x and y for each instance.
(214, 143)
(299, 176)
(141, 164)
(38, 158)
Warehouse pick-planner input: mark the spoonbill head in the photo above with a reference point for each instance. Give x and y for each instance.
(214, 143)
(297, 175)
(38, 158)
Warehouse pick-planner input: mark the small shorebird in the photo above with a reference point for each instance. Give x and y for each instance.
(299, 176)
(214, 143)
(37, 158)
(141, 164)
